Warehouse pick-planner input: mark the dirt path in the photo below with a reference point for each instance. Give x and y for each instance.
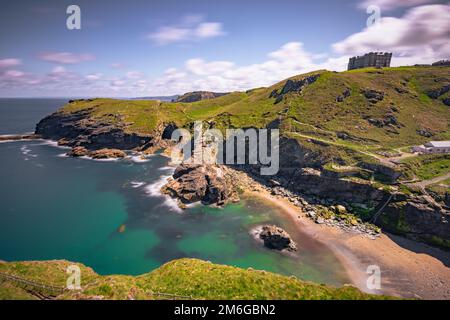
(428, 182)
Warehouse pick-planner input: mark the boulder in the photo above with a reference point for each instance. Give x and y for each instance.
(276, 238)
(340, 209)
(194, 183)
(108, 154)
(373, 96)
(436, 93)
(78, 152)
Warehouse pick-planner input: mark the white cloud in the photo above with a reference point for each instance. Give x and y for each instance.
(58, 69)
(191, 29)
(208, 30)
(135, 75)
(94, 76)
(65, 57)
(420, 36)
(14, 74)
(7, 63)
(197, 74)
(393, 4)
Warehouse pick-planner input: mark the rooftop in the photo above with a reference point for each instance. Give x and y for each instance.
(438, 144)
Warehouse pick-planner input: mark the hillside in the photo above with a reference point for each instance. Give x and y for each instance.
(383, 109)
(198, 96)
(185, 278)
(345, 138)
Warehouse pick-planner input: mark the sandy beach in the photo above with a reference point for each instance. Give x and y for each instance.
(408, 269)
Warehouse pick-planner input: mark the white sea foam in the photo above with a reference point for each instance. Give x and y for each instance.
(154, 190)
(136, 184)
(53, 144)
(139, 158)
(99, 160)
(27, 152)
(167, 168)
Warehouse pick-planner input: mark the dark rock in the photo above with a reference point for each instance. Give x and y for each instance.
(168, 131)
(344, 95)
(80, 130)
(373, 96)
(436, 93)
(293, 86)
(376, 122)
(425, 133)
(343, 136)
(401, 90)
(417, 219)
(276, 238)
(446, 101)
(193, 183)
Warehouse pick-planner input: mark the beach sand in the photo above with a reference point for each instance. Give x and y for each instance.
(408, 269)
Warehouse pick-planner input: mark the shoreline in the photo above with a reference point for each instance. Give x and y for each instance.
(409, 269)
(418, 272)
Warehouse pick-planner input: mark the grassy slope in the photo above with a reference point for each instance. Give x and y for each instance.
(316, 106)
(185, 277)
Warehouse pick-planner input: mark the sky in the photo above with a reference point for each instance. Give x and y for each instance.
(139, 48)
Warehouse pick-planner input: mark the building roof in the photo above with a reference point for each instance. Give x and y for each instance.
(439, 144)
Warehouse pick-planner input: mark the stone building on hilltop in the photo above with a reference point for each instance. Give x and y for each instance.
(372, 59)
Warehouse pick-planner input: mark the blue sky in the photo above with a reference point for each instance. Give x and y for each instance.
(142, 48)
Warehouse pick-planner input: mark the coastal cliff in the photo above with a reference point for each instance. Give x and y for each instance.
(344, 142)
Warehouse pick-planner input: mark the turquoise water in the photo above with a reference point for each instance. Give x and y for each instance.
(54, 207)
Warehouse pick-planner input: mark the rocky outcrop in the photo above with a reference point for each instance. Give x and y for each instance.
(80, 129)
(344, 95)
(416, 218)
(389, 119)
(198, 96)
(205, 183)
(276, 238)
(20, 137)
(446, 101)
(96, 154)
(78, 152)
(424, 132)
(373, 96)
(293, 86)
(436, 93)
(107, 154)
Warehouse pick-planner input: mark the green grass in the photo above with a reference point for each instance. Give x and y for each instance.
(313, 113)
(185, 277)
(428, 166)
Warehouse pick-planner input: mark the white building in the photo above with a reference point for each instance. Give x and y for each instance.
(433, 147)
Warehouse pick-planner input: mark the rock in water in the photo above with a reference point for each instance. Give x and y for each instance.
(276, 238)
(78, 152)
(193, 183)
(108, 154)
(97, 154)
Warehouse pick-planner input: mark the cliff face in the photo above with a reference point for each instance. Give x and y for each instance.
(340, 136)
(414, 216)
(78, 129)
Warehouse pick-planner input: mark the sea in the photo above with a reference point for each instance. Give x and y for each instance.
(112, 217)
